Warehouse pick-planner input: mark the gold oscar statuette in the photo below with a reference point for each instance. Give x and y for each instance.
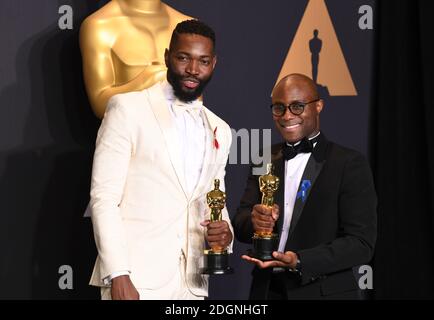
(122, 46)
(264, 243)
(216, 260)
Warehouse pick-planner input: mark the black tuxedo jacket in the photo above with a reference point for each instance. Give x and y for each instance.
(332, 230)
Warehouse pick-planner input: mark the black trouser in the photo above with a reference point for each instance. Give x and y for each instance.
(286, 286)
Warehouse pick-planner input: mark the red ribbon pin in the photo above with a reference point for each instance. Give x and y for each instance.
(216, 143)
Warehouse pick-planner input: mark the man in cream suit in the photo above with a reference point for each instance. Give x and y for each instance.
(157, 154)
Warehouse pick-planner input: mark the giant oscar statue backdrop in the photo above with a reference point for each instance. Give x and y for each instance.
(123, 45)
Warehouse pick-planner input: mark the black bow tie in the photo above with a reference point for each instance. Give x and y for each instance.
(305, 146)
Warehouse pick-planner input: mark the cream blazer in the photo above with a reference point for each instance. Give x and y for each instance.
(142, 217)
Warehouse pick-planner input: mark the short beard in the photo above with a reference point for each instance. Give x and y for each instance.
(185, 96)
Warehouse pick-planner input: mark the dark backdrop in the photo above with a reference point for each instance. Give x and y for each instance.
(48, 131)
(403, 151)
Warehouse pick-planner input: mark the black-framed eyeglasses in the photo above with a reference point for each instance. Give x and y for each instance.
(296, 108)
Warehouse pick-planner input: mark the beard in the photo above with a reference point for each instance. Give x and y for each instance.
(183, 94)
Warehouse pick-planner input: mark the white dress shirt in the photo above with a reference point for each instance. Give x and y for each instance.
(294, 170)
(188, 119)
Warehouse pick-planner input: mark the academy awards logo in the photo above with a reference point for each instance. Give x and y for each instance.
(316, 52)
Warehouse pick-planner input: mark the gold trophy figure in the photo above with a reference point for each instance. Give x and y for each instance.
(216, 260)
(122, 46)
(264, 243)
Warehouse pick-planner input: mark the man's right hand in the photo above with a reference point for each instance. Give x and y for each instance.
(123, 289)
(264, 218)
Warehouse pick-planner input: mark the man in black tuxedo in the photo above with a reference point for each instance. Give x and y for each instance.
(325, 210)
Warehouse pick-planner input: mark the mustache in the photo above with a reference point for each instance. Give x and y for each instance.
(190, 78)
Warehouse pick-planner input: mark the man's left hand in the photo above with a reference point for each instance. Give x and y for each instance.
(219, 234)
(283, 260)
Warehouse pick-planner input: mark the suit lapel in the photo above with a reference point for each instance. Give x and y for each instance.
(210, 157)
(279, 171)
(161, 111)
(311, 172)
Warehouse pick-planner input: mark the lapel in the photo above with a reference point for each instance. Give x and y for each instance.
(311, 172)
(161, 111)
(210, 158)
(279, 171)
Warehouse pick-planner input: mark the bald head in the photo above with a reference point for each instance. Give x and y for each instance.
(295, 90)
(306, 84)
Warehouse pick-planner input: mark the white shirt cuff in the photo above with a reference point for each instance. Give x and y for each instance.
(108, 280)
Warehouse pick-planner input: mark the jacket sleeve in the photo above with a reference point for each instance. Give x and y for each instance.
(357, 230)
(110, 167)
(242, 221)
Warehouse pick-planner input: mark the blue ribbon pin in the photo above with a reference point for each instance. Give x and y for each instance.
(305, 185)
